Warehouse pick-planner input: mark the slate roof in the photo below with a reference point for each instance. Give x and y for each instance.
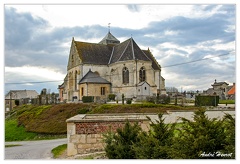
(91, 77)
(219, 83)
(102, 54)
(155, 64)
(109, 39)
(91, 53)
(128, 50)
(21, 94)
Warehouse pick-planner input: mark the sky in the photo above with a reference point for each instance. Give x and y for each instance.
(193, 43)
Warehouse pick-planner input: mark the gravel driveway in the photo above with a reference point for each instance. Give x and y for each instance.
(32, 149)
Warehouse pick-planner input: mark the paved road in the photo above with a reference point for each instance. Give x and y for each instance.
(32, 149)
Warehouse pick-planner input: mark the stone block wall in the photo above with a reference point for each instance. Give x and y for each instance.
(85, 135)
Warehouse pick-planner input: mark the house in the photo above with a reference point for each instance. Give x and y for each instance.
(123, 66)
(94, 85)
(218, 88)
(24, 97)
(231, 92)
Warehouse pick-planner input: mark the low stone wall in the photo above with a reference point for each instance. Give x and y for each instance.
(85, 132)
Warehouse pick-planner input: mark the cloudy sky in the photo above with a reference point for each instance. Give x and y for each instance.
(194, 44)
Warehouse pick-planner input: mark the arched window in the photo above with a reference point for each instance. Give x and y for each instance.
(125, 75)
(142, 74)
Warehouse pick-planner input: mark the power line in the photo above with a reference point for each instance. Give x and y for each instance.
(33, 82)
(195, 60)
(120, 74)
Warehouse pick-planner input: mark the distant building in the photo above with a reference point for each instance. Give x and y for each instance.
(24, 96)
(218, 88)
(124, 68)
(231, 92)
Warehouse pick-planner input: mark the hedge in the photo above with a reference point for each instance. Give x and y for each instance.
(206, 100)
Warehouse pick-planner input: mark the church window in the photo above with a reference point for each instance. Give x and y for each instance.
(82, 91)
(142, 74)
(125, 75)
(103, 90)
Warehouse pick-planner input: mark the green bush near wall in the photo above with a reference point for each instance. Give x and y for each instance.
(87, 99)
(206, 100)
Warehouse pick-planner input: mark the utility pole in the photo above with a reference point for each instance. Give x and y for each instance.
(10, 100)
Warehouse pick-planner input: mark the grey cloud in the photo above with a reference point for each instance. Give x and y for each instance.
(28, 43)
(133, 7)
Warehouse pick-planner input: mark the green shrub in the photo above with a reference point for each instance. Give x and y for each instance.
(206, 100)
(119, 145)
(200, 136)
(129, 101)
(157, 143)
(87, 99)
(111, 97)
(164, 99)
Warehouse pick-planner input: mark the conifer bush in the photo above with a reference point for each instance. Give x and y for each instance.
(201, 138)
(119, 144)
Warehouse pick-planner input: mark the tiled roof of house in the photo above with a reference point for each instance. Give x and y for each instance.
(21, 94)
(232, 90)
(91, 77)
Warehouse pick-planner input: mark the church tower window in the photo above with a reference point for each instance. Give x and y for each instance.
(142, 74)
(125, 75)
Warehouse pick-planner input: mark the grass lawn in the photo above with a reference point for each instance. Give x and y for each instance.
(15, 133)
(227, 101)
(57, 151)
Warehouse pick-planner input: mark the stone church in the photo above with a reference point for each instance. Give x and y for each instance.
(111, 67)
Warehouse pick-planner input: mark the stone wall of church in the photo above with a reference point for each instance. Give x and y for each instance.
(102, 70)
(117, 68)
(94, 90)
(130, 89)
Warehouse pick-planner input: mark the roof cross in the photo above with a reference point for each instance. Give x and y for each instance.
(109, 27)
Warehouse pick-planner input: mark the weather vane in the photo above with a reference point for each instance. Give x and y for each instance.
(109, 26)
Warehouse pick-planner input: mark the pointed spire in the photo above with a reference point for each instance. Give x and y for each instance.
(109, 39)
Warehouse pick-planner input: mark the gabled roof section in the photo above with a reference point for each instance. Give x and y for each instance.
(219, 83)
(109, 39)
(141, 83)
(155, 64)
(20, 94)
(91, 53)
(128, 50)
(91, 77)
